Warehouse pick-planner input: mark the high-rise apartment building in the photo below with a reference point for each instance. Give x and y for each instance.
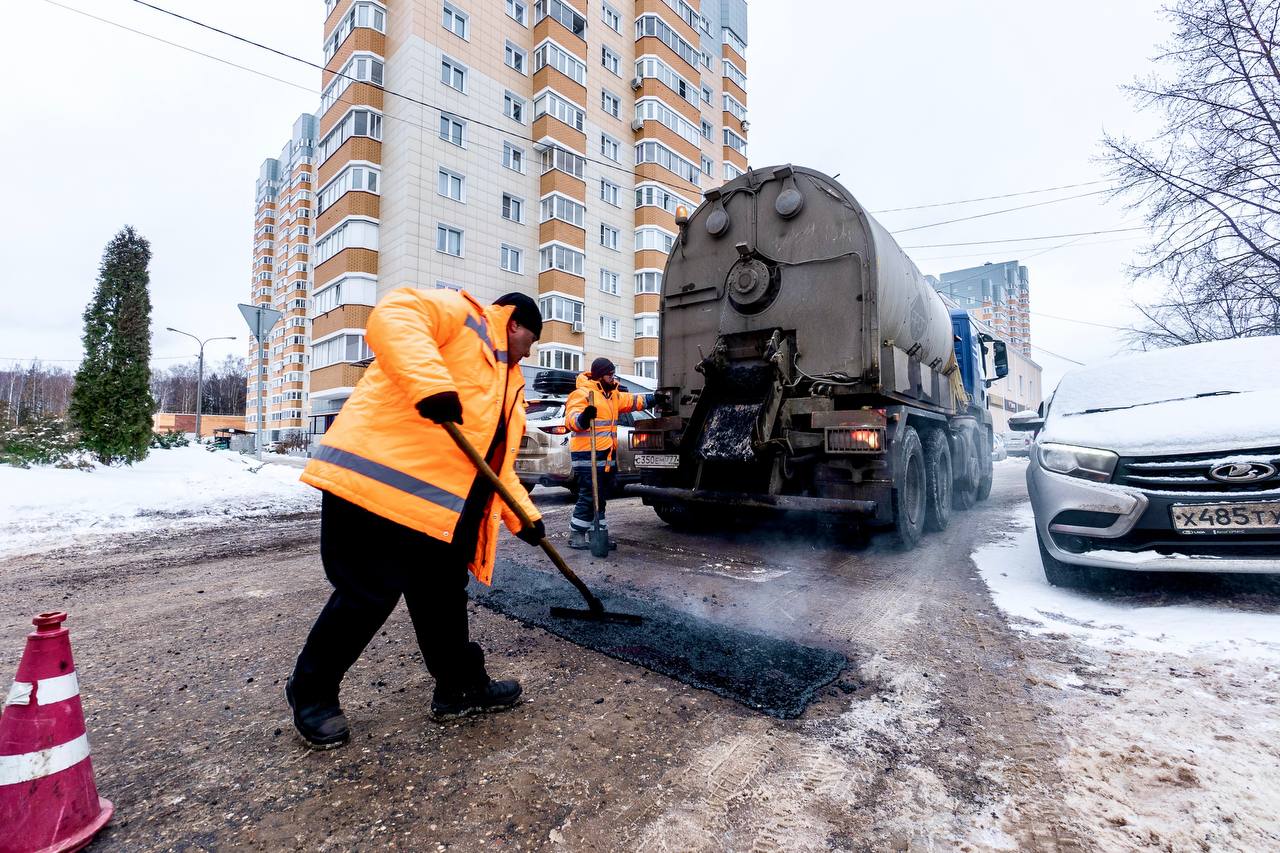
(998, 294)
(282, 234)
(498, 145)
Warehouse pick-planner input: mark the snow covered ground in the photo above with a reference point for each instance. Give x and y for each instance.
(43, 508)
(1166, 697)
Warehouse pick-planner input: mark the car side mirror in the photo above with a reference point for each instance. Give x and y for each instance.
(1026, 422)
(1001, 356)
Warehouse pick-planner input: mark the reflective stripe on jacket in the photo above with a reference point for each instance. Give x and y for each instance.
(608, 408)
(382, 455)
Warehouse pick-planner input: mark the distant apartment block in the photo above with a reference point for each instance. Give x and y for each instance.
(998, 294)
(283, 228)
(498, 145)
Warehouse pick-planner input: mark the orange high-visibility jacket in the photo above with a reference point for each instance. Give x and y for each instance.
(606, 428)
(382, 455)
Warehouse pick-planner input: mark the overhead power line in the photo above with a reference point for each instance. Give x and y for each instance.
(991, 197)
(1027, 239)
(998, 212)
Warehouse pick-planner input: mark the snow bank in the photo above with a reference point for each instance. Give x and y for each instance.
(1011, 569)
(42, 508)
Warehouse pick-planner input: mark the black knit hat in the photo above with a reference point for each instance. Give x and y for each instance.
(601, 368)
(526, 313)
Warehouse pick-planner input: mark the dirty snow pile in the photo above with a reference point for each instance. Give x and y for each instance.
(1165, 699)
(43, 507)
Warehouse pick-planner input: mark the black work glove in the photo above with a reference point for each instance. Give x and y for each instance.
(534, 533)
(442, 408)
(662, 401)
(588, 415)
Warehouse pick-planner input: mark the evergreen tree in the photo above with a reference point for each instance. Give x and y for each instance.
(112, 403)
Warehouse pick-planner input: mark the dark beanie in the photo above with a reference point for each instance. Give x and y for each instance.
(601, 367)
(526, 313)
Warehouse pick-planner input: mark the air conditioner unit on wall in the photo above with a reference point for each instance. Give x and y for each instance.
(577, 326)
(637, 124)
(637, 82)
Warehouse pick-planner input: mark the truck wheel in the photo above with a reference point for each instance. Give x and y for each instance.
(909, 496)
(938, 480)
(964, 492)
(988, 471)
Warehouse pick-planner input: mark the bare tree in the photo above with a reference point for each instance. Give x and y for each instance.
(1209, 182)
(34, 392)
(224, 387)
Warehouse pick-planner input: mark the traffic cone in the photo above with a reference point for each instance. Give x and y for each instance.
(48, 801)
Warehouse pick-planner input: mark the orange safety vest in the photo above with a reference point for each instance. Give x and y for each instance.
(608, 407)
(383, 456)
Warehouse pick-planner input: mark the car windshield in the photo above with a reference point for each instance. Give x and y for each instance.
(1212, 369)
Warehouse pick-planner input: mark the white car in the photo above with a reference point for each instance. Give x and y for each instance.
(1017, 443)
(1164, 461)
(998, 451)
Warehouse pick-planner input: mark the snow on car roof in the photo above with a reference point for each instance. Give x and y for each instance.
(1178, 373)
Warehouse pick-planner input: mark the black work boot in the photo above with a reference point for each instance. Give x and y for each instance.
(493, 696)
(321, 724)
(578, 539)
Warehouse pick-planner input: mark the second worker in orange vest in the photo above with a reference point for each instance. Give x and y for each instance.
(404, 511)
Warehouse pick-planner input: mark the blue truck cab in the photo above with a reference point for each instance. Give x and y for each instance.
(973, 348)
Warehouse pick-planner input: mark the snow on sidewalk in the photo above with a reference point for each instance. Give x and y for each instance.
(1165, 698)
(43, 508)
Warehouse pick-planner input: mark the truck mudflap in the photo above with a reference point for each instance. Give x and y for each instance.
(795, 503)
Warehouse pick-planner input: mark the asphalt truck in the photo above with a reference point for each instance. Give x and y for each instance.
(812, 369)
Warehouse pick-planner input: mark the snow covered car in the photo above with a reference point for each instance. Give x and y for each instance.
(998, 451)
(1017, 443)
(544, 451)
(1164, 461)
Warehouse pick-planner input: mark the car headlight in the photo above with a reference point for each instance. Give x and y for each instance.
(1087, 463)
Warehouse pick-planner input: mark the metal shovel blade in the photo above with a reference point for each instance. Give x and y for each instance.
(599, 541)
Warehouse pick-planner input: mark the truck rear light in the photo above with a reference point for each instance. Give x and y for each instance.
(560, 429)
(647, 440)
(854, 440)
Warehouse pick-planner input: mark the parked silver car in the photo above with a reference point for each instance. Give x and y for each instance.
(1017, 443)
(1163, 461)
(544, 450)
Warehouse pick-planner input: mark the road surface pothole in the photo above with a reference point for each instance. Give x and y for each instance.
(775, 676)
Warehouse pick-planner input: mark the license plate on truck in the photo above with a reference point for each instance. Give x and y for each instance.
(1259, 517)
(657, 460)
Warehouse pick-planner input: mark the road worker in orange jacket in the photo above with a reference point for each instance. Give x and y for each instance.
(404, 512)
(596, 399)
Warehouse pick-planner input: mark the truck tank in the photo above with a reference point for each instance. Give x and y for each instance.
(788, 250)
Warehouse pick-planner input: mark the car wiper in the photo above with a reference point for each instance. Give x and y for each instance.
(1151, 403)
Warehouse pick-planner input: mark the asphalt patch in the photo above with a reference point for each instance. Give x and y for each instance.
(775, 676)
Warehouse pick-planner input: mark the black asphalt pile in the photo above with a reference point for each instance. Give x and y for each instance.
(777, 677)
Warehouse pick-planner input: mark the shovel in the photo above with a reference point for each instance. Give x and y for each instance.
(595, 611)
(599, 536)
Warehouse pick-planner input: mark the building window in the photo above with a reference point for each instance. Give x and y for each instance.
(610, 60)
(549, 103)
(558, 257)
(350, 234)
(708, 167)
(706, 94)
(656, 152)
(609, 282)
(354, 123)
(731, 171)
(559, 159)
(559, 359)
(651, 66)
(646, 325)
(562, 12)
(513, 107)
(610, 193)
(513, 157)
(608, 237)
(734, 141)
(608, 328)
(647, 368)
(336, 350)
(610, 147)
(512, 208)
(518, 12)
(453, 74)
(556, 206)
(514, 57)
(649, 281)
(562, 308)
(549, 53)
(706, 59)
(449, 240)
(655, 195)
(652, 25)
(612, 19)
(512, 259)
(654, 238)
(733, 73)
(453, 130)
(451, 185)
(360, 15)
(610, 103)
(707, 129)
(655, 109)
(350, 179)
(362, 67)
(456, 22)
(734, 107)
(348, 290)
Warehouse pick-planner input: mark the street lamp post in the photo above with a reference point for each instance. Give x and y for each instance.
(200, 370)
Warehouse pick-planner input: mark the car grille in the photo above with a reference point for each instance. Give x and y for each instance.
(1190, 473)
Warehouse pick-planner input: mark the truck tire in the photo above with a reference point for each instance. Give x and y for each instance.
(964, 492)
(910, 491)
(938, 480)
(988, 469)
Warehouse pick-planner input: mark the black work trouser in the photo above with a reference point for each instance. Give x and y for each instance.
(584, 511)
(371, 561)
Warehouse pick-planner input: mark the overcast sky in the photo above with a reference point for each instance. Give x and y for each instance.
(948, 101)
